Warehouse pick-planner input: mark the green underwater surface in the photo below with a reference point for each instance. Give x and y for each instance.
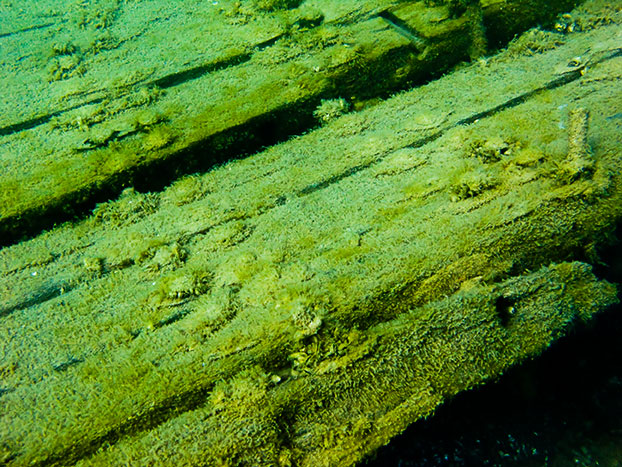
(310, 232)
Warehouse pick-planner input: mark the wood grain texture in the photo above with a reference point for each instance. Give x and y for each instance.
(303, 305)
(107, 94)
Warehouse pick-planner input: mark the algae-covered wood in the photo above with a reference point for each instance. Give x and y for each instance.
(98, 95)
(304, 305)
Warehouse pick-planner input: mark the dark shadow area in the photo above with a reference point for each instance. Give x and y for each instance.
(518, 16)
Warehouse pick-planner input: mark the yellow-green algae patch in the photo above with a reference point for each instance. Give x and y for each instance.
(304, 305)
(116, 90)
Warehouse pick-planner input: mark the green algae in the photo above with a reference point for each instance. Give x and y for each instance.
(304, 305)
(260, 66)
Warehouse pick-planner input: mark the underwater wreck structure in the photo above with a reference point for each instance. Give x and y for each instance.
(304, 304)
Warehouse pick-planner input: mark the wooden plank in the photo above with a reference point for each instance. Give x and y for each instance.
(95, 48)
(109, 94)
(307, 303)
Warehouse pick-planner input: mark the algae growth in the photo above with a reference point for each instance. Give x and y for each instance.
(303, 305)
(254, 78)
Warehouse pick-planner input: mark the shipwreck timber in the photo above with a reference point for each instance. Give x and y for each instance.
(303, 305)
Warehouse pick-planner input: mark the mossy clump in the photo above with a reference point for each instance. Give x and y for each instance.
(182, 283)
(212, 311)
(471, 184)
(64, 67)
(490, 150)
(534, 41)
(158, 138)
(128, 208)
(244, 388)
(185, 190)
(132, 248)
(164, 257)
(93, 265)
(275, 5)
(63, 47)
(331, 109)
(528, 157)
